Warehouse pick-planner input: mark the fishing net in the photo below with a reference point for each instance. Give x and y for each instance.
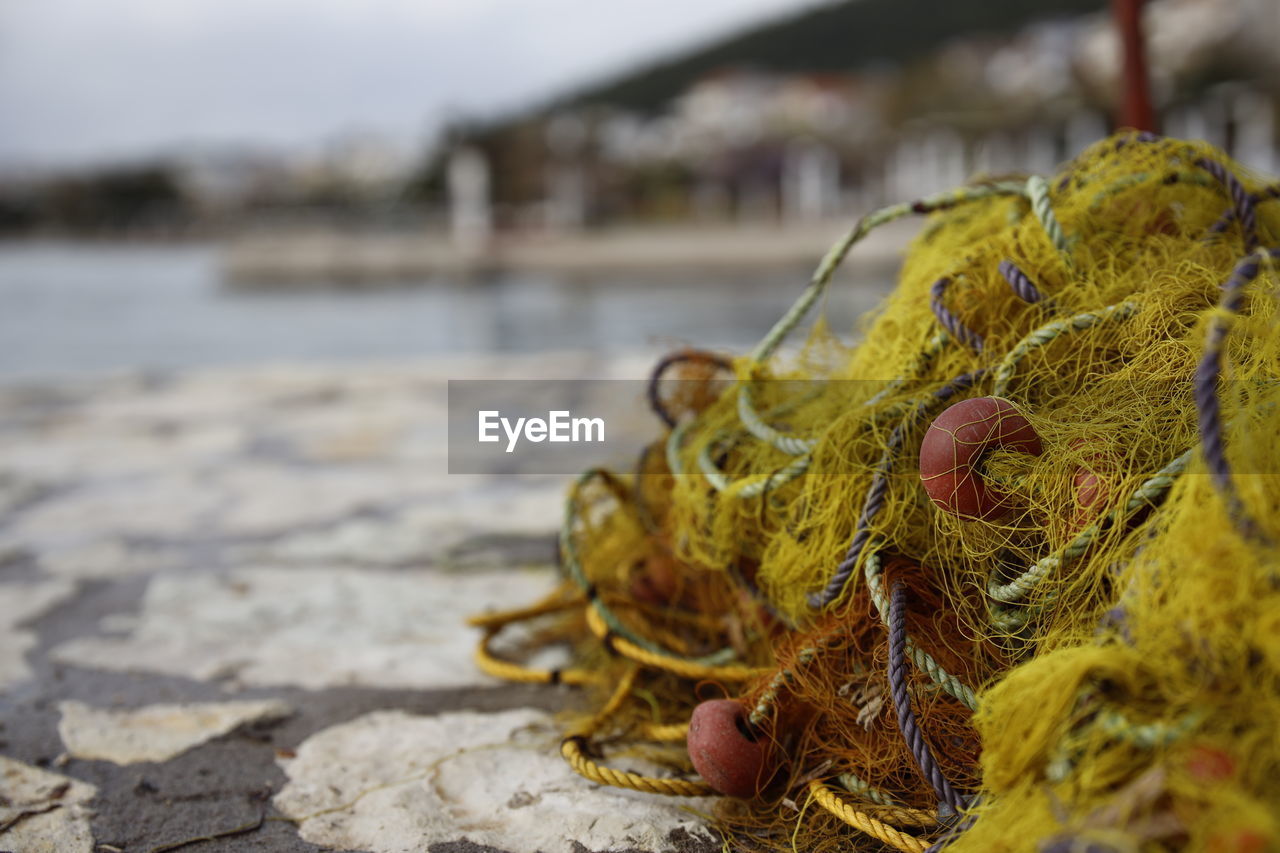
(1001, 575)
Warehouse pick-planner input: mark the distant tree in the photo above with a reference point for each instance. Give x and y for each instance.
(115, 199)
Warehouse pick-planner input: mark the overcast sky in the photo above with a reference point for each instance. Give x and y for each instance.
(89, 80)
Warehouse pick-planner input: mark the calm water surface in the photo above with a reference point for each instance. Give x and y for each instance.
(76, 308)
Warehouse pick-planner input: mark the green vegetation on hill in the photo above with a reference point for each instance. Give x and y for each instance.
(845, 36)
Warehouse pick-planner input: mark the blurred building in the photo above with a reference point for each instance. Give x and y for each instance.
(742, 144)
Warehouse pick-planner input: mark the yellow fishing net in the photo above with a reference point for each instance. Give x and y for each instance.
(1000, 576)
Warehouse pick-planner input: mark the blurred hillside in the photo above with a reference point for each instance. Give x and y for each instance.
(852, 35)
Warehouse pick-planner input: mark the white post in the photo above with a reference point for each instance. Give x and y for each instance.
(470, 213)
(810, 181)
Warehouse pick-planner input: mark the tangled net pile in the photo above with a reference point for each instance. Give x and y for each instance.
(1003, 575)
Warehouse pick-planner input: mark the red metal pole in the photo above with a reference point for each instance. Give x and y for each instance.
(1136, 111)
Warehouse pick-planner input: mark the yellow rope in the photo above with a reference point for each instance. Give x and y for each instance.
(493, 623)
(668, 732)
(572, 748)
(553, 603)
(572, 751)
(676, 666)
(901, 815)
(608, 709)
(862, 822)
(508, 671)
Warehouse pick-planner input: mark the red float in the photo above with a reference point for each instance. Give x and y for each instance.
(954, 446)
(657, 583)
(729, 757)
(1091, 485)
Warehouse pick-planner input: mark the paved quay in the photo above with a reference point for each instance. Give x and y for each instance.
(230, 609)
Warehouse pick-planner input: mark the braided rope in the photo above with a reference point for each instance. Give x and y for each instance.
(1118, 727)
(493, 623)
(883, 806)
(1212, 440)
(895, 838)
(1020, 282)
(571, 748)
(1050, 332)
(1038, 192)
(490, 664)
(903, 816)
(572, 565)
(575, 745)
(672, 447)
(696, 669)
(925, 662)
(1267, 193)
(902, 701)
(555, 602)
(879, 487)
(666, 733)
(752, 485)
(949, 321)
(1243, 203)
(955, 831)
(861, 788)
(864, 226)
(1149, 493)
(781, 678)
(789, 444)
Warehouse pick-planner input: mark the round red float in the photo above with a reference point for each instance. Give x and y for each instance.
(727, 754)
(954, 446)
(657, 582)
(1092, 490)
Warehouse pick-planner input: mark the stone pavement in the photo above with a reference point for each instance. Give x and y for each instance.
(231, 606)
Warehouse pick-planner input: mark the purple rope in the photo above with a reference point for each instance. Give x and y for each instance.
(950, 321)
(875, 498)
(1229, 215)
(1140, 136)
(902, 701)
(1020, 283)
(955, 831)
(1243, 204)
(1208, 372)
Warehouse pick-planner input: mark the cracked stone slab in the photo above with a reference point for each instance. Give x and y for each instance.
(392, 782)
(43, 812)
(155, 732)
(427, 531)
(312, 628)
(107, 558)
(272, 499)
(20, 603)
(167, 506)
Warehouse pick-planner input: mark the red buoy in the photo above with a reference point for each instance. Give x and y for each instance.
(1092, 490)
(1091, 483)
(954, 446)
(727, 754)
(657, 582)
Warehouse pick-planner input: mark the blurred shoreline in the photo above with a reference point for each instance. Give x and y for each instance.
(303, 259)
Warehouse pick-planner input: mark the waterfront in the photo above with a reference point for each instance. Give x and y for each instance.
(79, 308)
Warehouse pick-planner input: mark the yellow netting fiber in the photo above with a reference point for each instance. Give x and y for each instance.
(1001, 575)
